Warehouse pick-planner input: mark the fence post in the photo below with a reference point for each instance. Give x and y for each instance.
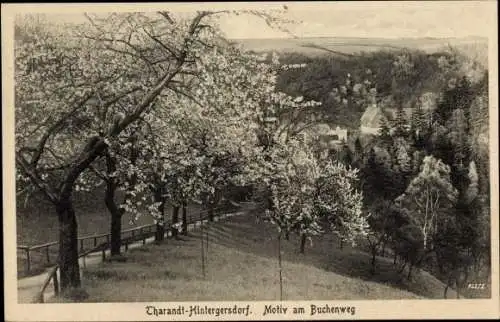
(47, 253)
(28, 260)
(143, 236)
(81, 245)
(95, 241)
(103, 254)
(56, 283)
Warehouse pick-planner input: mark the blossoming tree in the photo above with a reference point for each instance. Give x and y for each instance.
(77, 83)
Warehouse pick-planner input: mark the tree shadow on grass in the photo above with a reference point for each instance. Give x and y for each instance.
(245, 234)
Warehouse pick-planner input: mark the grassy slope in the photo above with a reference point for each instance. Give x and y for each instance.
(242, 265)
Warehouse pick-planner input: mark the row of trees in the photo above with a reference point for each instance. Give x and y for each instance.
(135, 100)
(162, 108)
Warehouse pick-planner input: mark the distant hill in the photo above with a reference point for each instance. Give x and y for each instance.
(329, 60)
(475, 47)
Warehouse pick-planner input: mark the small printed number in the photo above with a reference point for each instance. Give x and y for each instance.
(478, 286)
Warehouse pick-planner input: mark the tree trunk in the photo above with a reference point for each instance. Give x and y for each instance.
(458, 284)
(160, 224)
(116, 219)
(270, 203)
(462, 282)
(115, 212)
(287, 236)
(68, 246)
(175, 220)
(116, 231)
(302, 243)
(446, 288)
(202, 247)
(402, 268)
(211, 211)
(160, 232)
(280, 267)
(184, 219)
(374, 260)
(410, 270)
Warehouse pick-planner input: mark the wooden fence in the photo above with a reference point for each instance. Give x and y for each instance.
(129, 236)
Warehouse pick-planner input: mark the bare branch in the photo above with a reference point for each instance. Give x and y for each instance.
(119, 96)
(29, 171)
(55, 168)
(159, 42)
(55, 127)
(99, 173)
(96, 145)
(178, 91)
(166, 15)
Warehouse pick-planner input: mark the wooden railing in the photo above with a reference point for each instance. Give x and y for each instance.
(144, 232)
(52, 275)
(45, 248)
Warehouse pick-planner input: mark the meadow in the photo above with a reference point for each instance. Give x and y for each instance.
(172, 271)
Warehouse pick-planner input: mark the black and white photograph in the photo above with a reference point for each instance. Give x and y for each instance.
(250, 161)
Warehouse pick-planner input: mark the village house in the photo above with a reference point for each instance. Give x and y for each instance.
(386, 110)
(327, 137)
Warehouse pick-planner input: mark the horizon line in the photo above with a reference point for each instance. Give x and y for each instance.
(353, 37)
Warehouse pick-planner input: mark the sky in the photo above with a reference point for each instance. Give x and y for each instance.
(378, 20)
(408, 19)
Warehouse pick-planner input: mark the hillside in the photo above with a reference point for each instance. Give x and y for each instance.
(172, 271)
(329, 62)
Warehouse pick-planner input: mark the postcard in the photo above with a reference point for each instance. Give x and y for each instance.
(250, 161)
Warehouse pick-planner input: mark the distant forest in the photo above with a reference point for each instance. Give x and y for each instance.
(399, 76)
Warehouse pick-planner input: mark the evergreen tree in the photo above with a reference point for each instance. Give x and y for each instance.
(371, 175)
(400, 123)
(379, 176)
(418, 126)
(460, 95)
(385, 132)
(345, 155)
(459, 140)
(358, 153)
(403, 159)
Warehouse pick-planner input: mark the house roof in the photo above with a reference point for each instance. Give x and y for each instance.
(428, 100)
(387, 109)
(372, 116)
